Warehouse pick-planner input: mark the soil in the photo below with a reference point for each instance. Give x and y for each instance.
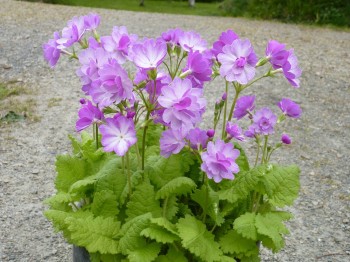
(320, 230)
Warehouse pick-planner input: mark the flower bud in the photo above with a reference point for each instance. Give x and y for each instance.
(286, 139)
(224, 96)
(211, 133)
(82, 101)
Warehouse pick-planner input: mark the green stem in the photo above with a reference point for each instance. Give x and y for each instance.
(129, 173)
(165, 206)
(255, 80)
(225, 110)
(178, 65)
(96, 134)
(144, 141)
(257, 155)
(206, 198)
(233, 104)
(263, 160)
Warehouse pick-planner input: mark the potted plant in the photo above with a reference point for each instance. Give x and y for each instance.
(148, 184)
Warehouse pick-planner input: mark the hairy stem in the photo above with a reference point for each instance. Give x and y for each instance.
(263, 160)
(144, 141)
(129, 173)
(225, 111)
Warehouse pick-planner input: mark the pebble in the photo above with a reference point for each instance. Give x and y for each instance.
(35, 171)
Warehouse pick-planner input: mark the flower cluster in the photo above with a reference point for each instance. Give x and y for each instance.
(165, 86)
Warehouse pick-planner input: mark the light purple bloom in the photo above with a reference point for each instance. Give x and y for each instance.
(291, 69)
(184, 105)
(198, 68)
(118, 135)
(192, 41)
(72, 33)
(264, 121)
(172, 36)
(252, 131)
(198, 138)
(234, 131)
(238, 61)
(91, 21)
(219, 161)
(244, 105)
(276, 53)
(88, 114)
(171, 142)
(226, 38)
(119, 43)
(51, 51)
(286, 139)
(113, 85)
(149, 54)
(91, 61)
(290, 108)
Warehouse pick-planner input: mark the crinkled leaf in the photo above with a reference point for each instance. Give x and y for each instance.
(170, 207)
(172, 255)
(245, 226)
(60, 201)
(242, 185)
(130, 233)
(143, 201)
(282, 184)
(146, 253)
(164, 223)
(105, 204)
(197, 239)
(242, 160)
(271, 225)
(159, 234)
(209, 202)
(177, 186)
(115, 182)
(234, 243)
(95, 234)
(136, 179)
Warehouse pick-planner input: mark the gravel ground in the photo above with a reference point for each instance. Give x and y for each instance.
(321, 228)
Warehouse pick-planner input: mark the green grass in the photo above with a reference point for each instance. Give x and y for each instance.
(160, 6)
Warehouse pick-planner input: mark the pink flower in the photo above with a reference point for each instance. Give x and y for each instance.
(192, 41)
(91, 21)
(289, 108)
(72, 33)
(291, 70)
(238, 61)
(226, 38)
(276, 53)
(171, 142)
(198, 138)
(198, 68)
(88, 114)
(234, 131)
(219, 161)
(264, 121)
(51, 51)
(244, 105)
(118, 135)
(183, 104)
(149, 54)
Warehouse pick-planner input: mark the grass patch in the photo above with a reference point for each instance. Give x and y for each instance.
(55, 101)
(157, 6)
(15, 104)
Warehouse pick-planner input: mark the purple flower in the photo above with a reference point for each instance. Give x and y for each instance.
(91, 21)
(210, 133)
(192, 41)
(291, 69)
(219, 161)
(238, 61)
(91, 61)
(183, 104)
(119, 43)
(113, 85)
(72, 33)
(289, 108)
(118, 135)
(198, 68)
(252, 131)
(234, 131)
(244, 105)
(51, 51)
(149, 54)
(198, 138)
(171, 142)
(264, 121)
(226, 38)
(172, 36)
(88, 114)
(276, 53)
(286, 139)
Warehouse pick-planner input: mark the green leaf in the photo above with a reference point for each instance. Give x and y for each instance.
(115, 182)
(105, 204)
(69, 170)
(271, 225)
(60, 201)
(136, 179)
(282, 184)
(153, 135)
(95, 234)
(242, 185)
(170, 207)
(177, 186)
(97, 257)
(245, 226)
(209, 202)
(164, 223)
(159, 234)
(130, 233)
(197, 239)
(146, 253)
(172, 255)
(162, 170)
(234, 243)
(143, 201)
(242, 160)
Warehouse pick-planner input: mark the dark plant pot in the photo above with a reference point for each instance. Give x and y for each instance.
(80, 254)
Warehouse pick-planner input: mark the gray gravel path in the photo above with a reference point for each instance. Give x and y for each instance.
(321, 228)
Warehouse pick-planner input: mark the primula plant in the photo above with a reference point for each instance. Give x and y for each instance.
(149, 184)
